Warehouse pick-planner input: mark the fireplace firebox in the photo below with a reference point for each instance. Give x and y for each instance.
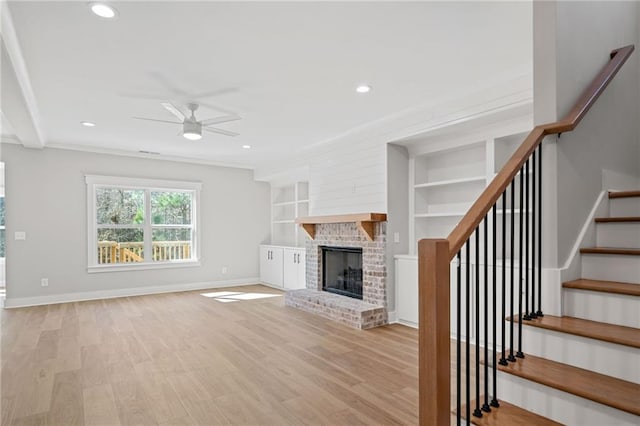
(342, 271)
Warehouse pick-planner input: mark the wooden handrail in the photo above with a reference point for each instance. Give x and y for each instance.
(434, 257)
(488, 198)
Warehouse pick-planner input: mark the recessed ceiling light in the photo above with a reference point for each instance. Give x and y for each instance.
(363, 88)
(246, 146)
(88, 124)
(103, 10)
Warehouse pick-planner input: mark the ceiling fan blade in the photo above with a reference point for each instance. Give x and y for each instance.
(173, 110)
(222, 119)
(220, 131)
(159, 121)
(213, 93)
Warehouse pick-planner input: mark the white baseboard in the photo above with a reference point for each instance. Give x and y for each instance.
(571, 269)
(20, 302)
(392, 317)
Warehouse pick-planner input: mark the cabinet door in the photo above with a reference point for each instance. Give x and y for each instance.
(271, 265)
(275, 266)
(265, 257)
(407, 290)
(302, 269)
(290, 270)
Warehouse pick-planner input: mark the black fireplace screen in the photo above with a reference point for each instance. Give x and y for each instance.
(342, 271)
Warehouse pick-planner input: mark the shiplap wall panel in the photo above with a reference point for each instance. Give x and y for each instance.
(348, 178)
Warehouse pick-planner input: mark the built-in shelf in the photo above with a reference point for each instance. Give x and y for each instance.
(446, 179)
(451, 182)
(287, 203)
(284, 203)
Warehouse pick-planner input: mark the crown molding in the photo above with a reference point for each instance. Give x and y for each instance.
(12, 46)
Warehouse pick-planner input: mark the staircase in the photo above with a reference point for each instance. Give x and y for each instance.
(584, 367)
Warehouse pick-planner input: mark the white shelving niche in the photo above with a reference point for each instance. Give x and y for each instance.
(287, 203)
(447, 178)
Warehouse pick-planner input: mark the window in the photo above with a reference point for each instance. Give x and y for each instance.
(141, 223)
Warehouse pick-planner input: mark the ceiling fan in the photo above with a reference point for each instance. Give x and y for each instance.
(191, 127)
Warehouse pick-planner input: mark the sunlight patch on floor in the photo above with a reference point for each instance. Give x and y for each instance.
(236, 296)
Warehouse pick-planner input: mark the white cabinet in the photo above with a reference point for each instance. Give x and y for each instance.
(271, 265)
(407, 289)
(294, 268)
(282, 267)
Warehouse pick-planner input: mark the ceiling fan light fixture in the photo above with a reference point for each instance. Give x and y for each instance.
(192, 130)
(192, 136)
(103, 10)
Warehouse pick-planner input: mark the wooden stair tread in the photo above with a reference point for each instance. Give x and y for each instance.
(624, 194)
(612, 333)
(620, 219)
(508, 415)
(611, 250)
(604, 286)
(596, 387)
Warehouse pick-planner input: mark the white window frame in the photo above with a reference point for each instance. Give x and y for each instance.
(148, 185)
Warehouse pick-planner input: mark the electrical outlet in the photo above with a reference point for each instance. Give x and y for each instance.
(44, 282)
(396, 237)
(20, 235)
(224, 270)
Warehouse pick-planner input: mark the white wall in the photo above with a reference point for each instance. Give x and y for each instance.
(608, 138)
(398, 214)
(46, 198)
(573, 41)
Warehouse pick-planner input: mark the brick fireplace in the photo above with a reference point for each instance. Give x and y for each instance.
(369, 312)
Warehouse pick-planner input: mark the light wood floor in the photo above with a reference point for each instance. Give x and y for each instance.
(182, 358)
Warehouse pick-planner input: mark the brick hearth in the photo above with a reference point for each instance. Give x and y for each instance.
(369, 312)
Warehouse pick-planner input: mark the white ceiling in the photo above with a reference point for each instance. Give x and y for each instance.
(289, 69)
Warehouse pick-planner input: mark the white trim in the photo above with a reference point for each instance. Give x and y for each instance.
(392, 317)
(18, 63)
(18, 302)
(134, 183)
(148, 185)
(136, 154)
(125, 267)
(572, 267)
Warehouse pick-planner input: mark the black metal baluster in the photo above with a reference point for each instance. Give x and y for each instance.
(519, 353)
(468, 331)
(503, 360)
(524, 215)
(476, 411)
(485, 406)
(539, 311)
(494, 400)
(512, 273)
(458, 343)
(532, 313)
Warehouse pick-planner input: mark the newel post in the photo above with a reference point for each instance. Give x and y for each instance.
(434, 344)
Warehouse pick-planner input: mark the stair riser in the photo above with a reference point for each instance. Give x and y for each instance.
(602, 307)
(560, 406)
(602, 357)
(623, 235)
(611, 267)
(624, 207)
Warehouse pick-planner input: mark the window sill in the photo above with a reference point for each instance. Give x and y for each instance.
(142, 266)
